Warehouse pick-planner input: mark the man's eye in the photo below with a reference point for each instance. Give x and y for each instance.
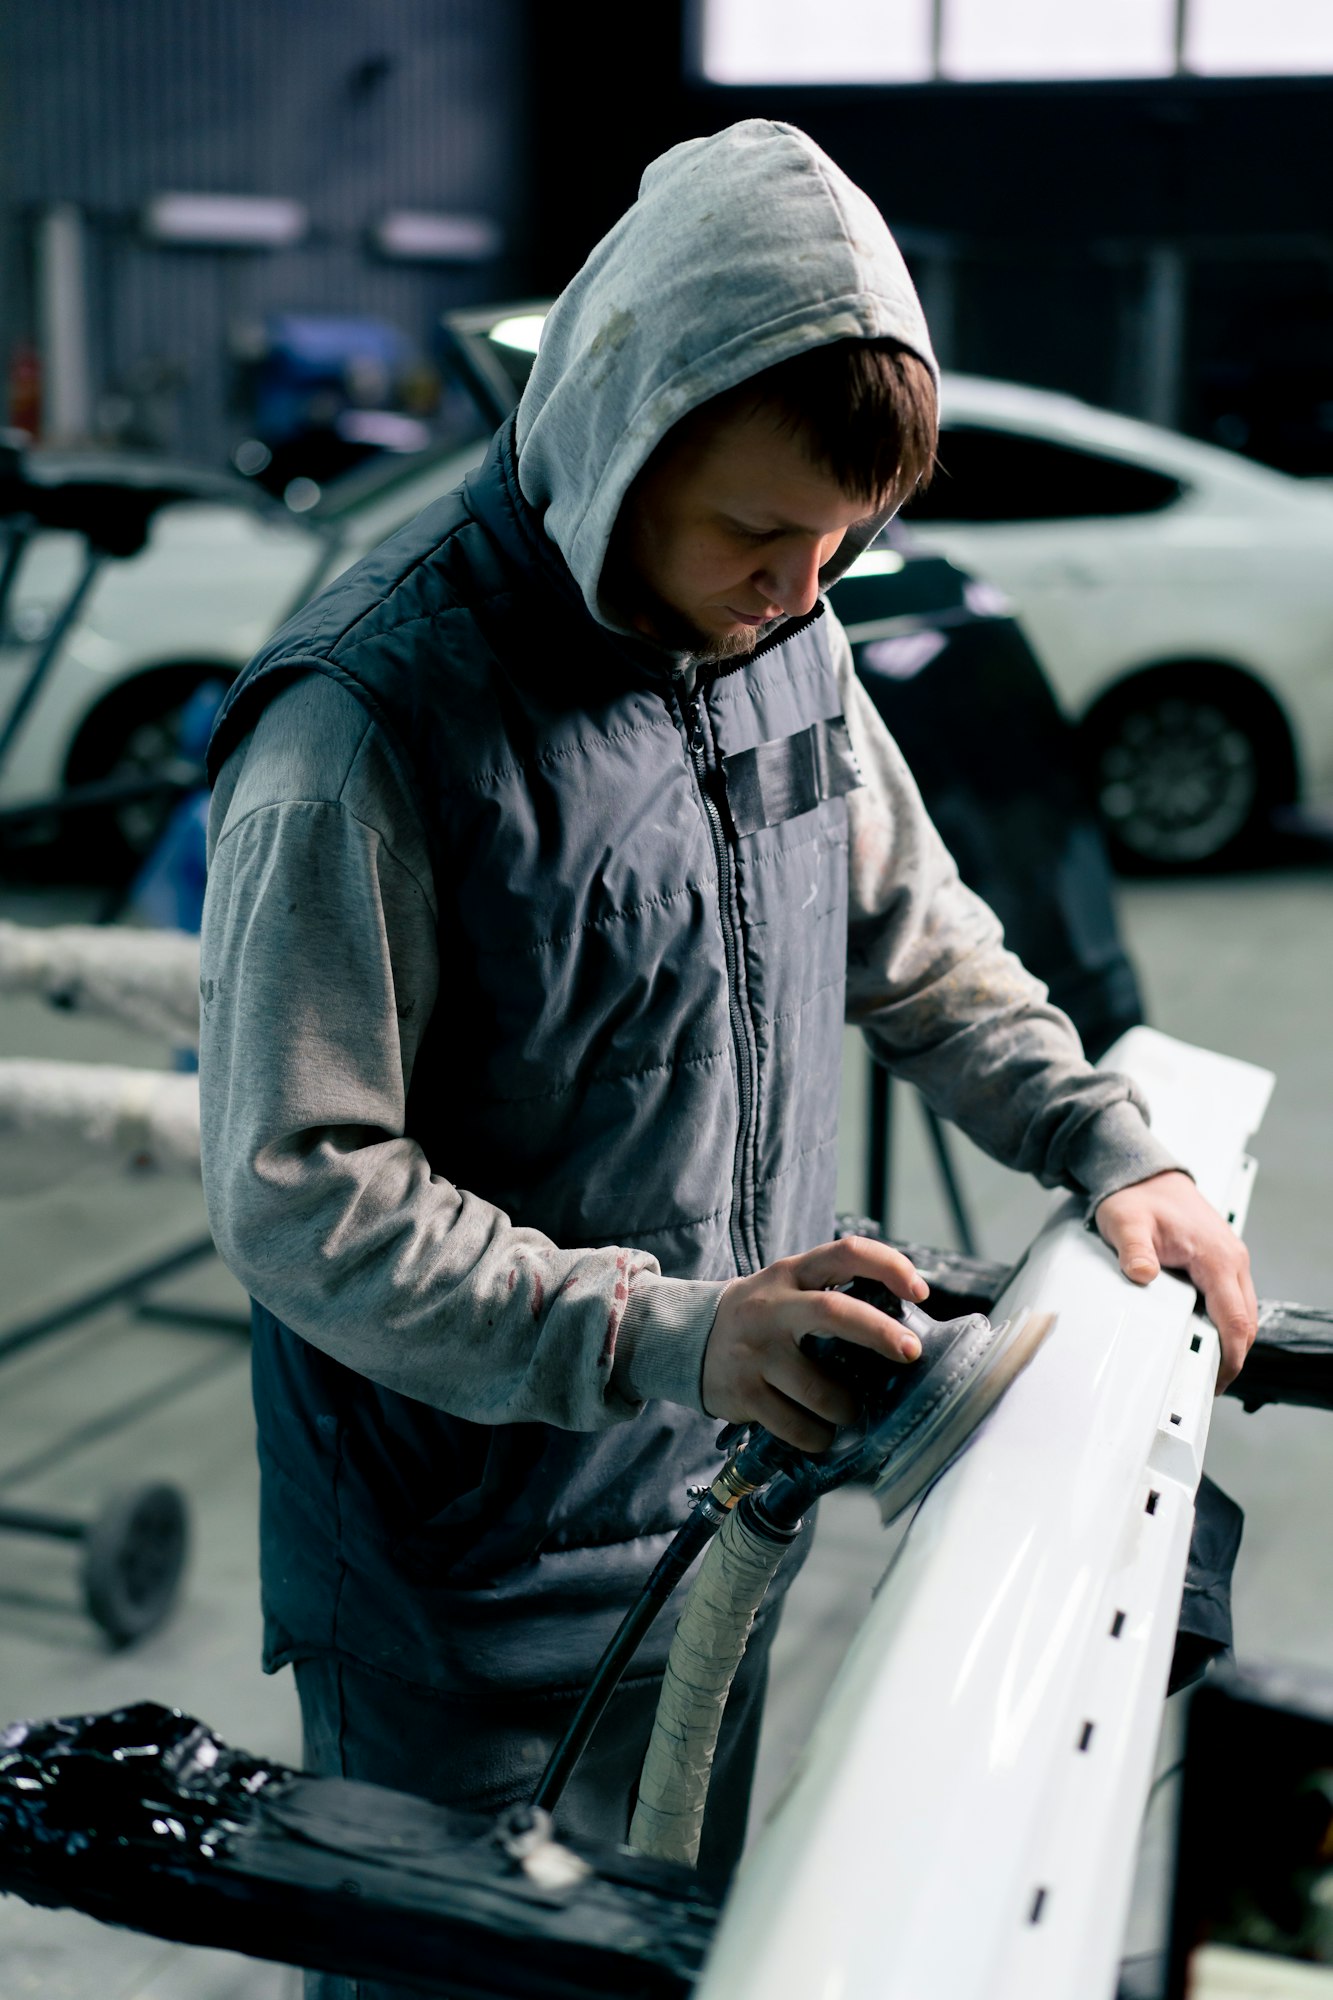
(757, 534)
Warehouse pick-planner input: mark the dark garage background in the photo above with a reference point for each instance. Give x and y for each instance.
(1163, 247)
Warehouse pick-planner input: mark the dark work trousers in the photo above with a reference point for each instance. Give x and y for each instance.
(482, 1753)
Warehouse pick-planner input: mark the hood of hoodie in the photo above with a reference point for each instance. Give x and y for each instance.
(742, 250)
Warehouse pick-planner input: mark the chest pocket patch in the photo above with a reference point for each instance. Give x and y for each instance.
(790, 775)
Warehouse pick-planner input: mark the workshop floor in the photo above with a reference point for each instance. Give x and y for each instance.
(1242, 965)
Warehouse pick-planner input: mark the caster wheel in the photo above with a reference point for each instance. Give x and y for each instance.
(134, 1560)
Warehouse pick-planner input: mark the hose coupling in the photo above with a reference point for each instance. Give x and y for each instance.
(732, 1485)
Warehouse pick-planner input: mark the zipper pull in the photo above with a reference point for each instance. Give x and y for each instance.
(695, 722)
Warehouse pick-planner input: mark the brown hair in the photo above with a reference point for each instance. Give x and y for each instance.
(866, 411)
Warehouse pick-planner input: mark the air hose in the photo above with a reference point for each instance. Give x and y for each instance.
(910, 1423)
(706, 1652)
(754, 1461)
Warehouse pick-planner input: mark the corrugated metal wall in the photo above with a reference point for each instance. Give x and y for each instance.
(350, 106)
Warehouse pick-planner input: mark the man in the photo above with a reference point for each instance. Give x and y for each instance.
(550, 848)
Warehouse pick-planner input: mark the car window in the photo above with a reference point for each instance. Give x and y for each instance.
(997, 475)
(392, 473)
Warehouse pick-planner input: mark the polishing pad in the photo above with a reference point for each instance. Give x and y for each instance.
(965, 1367)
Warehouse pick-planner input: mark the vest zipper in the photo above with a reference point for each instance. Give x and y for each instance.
(744, 1243)
(744, 1247)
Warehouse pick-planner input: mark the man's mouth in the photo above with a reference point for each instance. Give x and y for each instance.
(753, 618)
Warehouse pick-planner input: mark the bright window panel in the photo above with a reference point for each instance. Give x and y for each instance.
(838, 41)
(990, 41)
(1279, 38)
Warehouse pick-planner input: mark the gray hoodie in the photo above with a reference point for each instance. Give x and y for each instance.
(742, 251)
(321, 958)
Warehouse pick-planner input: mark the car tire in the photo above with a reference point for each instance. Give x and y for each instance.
(1186, 764)
(134, 730)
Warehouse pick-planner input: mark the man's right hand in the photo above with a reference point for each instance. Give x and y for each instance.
(754, 1370)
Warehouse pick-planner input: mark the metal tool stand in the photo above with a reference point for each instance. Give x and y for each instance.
(114, 518)
(20, 534)
(136, 1549)
(879, 1159)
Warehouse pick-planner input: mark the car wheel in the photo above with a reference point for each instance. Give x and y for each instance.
(134, 734)
(1186, 766)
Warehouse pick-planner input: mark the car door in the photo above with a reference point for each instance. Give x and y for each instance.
(1079, 540)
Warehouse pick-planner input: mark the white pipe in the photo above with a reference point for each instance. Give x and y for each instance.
(62, 307)
(58, 1119)
(146, 978)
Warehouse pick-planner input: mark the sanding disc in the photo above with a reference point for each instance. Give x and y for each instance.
(958, 1380)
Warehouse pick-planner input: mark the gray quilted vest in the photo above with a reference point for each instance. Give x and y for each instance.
(643, 928)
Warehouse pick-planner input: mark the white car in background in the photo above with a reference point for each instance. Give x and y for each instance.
(216, 575)
(1180, 599)
(1179, 596)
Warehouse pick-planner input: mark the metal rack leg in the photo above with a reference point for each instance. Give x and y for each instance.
(879, 1145)
(879, 1160)
(29, 1331)
(953, 1193)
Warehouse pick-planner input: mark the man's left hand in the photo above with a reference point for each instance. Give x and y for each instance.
(1165, 1223)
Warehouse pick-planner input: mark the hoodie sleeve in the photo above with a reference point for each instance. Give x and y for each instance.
(949, 1009)
(320, 967)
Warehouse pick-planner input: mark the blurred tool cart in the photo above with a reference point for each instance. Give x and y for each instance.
(134, 1550)
(62, 1117)
(136, 1547)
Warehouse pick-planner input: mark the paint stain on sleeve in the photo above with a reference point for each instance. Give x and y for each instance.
(619, 1300)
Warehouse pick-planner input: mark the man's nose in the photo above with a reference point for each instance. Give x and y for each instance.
(791, 577)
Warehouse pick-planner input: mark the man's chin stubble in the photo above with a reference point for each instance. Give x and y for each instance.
(736, 645)
(703, 648)
(653, 616)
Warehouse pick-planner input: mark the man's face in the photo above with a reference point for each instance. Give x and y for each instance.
(725, 532)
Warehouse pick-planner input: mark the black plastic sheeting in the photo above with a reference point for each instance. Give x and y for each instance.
(999, 770)
(1203, 1633)
(144, 1818)
(1291, 1360)
(1254, 1842)
(145, 1775)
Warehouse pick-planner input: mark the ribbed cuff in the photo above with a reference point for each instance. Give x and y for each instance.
(660, 1348)
(1114, 1150)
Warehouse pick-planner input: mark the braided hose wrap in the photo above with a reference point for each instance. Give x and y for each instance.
(58, 1118)
(708, 1648)
(148, 979)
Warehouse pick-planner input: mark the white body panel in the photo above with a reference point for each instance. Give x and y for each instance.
(1237, 570)
(955, 1830)
(210, 586)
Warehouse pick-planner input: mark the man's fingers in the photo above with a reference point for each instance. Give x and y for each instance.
(1236, 1338)
(803, 1381)
(1251, 1302)
(858, 1257)
(1231, 1306)
(1164, 1220)
(753, 1370)
(1138, 1258)
(790, 1421)
(859, 1321)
